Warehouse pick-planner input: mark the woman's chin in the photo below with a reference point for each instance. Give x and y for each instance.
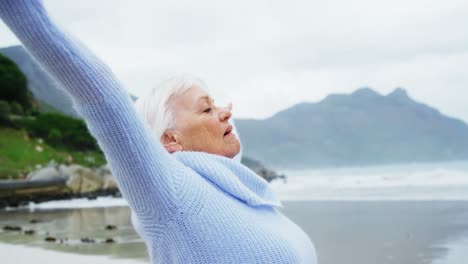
(235, 149)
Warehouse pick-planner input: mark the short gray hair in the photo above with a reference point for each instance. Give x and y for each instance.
(155, 108)
(156, 111)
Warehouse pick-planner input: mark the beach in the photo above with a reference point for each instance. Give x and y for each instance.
(414, 214)
(25, 255)
(365, 232)
(384, 231)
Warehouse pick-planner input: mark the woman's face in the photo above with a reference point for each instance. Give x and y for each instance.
(200, 125)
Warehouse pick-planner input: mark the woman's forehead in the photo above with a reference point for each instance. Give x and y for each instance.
(191, 98)
(195, 95)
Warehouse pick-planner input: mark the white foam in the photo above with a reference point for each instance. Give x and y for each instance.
(438, 181)
(457, 252)
(105, 201)
(442, 181)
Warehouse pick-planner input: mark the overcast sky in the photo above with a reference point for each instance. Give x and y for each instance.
(265, 56)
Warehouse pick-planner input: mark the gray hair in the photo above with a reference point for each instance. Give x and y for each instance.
(156, 111)
(155, 108)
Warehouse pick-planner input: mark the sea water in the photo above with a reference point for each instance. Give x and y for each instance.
(411, 182)
(446, 181)
(433, 181)
(408, 182)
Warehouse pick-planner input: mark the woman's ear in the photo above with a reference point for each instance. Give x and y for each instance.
(170, 141)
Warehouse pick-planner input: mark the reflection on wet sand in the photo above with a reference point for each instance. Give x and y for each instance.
(387, 232)
(83, 231)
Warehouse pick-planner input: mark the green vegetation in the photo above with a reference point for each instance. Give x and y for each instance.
(20, 154)
(13, 86)
(59, 130)
(4, 113)
(29, 138)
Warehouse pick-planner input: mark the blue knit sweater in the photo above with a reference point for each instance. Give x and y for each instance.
(192, 207)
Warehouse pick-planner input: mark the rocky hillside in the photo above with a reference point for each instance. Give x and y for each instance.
(42, 86)
(361, 128)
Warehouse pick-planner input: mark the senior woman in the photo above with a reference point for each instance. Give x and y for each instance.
(193, 202)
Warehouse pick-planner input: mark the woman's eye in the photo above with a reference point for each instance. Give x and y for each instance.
(207, 110)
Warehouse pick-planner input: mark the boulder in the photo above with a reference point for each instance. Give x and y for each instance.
(50, 239)
(269, 175)
(67, 171)
(81, 179)
(109, 182)
(44, 174)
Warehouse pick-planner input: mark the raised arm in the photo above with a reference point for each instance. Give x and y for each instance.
(149, 178)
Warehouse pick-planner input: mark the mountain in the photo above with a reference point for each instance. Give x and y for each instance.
(44, 88)
(362, 128)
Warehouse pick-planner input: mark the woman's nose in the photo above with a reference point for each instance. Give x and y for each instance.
(225, 113)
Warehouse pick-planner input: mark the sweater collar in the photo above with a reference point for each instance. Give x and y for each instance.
(231, 176)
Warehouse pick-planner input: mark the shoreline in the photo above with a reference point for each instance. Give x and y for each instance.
(363, 231)
(457, 251)
(110, 201)
(22, 254)
(385, 232)
(75, 203)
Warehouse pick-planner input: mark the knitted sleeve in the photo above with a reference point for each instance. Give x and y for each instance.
(148, 176)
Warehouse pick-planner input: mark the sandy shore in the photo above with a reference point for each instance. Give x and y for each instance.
(364, 232)
(26, 255)
(385, 232)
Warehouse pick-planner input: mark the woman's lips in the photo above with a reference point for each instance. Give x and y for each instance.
(228, 130)
(230, 138)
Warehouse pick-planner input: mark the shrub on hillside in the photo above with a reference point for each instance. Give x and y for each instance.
(16, 108)
(13, 84)
(4, 108)
(60, 130)
(55, 136)
(4, 113)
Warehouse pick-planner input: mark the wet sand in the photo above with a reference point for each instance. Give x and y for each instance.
(18, 254)
(397, 232)
(343, 232)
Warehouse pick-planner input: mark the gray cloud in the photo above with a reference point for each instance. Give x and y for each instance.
(267, 55)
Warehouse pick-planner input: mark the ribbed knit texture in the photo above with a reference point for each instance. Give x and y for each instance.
(191, 207)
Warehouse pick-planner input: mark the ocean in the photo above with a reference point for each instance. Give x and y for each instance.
(416, 213)
(409, 182)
